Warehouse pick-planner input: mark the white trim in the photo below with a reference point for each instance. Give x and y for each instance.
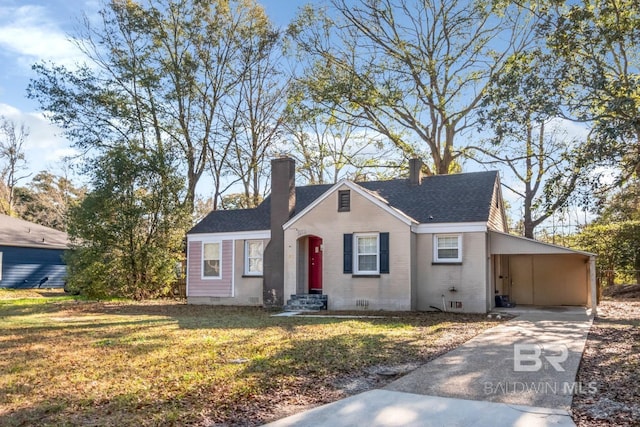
(450, 227)
(219, 276)
(356, 253)
(232, 235)
(447, 260)
(246, 258)
(186, 290)
(593, 285)
(378, 201)
(233, 266)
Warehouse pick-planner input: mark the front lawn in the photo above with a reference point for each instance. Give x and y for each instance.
(72, 362)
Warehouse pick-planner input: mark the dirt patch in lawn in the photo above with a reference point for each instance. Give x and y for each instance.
(608, 374)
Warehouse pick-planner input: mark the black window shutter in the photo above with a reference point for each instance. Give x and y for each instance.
(384, 253)
(348, 254)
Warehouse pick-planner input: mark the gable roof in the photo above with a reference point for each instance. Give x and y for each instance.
(464, 197)
(21, 233)
(372, 196)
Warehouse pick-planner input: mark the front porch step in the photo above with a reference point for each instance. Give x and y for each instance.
(306, 302)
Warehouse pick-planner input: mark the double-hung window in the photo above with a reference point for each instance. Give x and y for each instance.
(447, 248)
(366, 259)
(211, 260)
(366, 254)
(253, 251)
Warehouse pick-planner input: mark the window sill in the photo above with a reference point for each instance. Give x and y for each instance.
(446, 263)
(259, 276)
(365, 275)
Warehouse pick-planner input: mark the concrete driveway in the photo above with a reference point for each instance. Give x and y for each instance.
(521, 372)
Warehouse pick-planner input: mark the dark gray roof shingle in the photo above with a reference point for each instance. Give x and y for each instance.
(464, 197)
(254, 219)
(21, 233)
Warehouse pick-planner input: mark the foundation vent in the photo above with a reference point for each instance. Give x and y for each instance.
(254, 300)
(455, 305)
(364, 303)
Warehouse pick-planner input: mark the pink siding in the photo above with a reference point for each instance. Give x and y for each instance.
(197, 287)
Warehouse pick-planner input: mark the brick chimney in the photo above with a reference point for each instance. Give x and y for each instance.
(283, 203)
(415, 171)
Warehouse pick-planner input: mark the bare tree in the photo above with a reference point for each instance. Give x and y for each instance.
(328, 149)
(255, 112)
(414, 70)
(12, 138)
(159, 74)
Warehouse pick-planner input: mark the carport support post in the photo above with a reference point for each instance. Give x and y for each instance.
(592, 282)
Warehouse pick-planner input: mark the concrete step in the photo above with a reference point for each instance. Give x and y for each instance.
(306, 302)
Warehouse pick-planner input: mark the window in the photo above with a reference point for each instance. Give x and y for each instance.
(359, 251)
(366, 254)
(211, 260)
(253, 250)
(447, 248)
(344, 200)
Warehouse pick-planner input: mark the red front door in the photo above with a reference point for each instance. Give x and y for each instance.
(315, 265)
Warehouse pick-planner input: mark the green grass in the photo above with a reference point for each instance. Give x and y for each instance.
(74, 362)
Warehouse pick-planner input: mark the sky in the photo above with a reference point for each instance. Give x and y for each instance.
(32, 31)
(37, 30)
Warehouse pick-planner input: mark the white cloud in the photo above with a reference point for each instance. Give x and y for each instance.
(573, 130)
(45, 147)
(30, 34)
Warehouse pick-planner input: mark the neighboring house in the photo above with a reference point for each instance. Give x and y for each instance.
(31, 254)
(438, 242)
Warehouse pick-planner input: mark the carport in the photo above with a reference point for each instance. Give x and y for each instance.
(541, 274)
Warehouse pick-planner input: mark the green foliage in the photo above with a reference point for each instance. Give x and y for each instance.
(622, 204)
(47, 199)
(521, 111)
(128, 230)
(616, 244)
(598, 40)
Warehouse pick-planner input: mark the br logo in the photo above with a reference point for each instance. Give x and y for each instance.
(528, 357)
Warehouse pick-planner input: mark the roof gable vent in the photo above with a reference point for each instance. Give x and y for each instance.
(344, 200)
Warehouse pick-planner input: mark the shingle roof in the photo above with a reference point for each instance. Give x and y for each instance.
(464, 197)
(257, 218)
(21, 233)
